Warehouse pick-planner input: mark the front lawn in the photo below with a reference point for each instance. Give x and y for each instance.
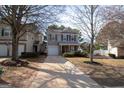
(21, 76)
(109, 74)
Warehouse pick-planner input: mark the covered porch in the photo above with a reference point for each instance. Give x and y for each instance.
(67, 48)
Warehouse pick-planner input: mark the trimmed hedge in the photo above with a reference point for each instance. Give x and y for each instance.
(112, 55)
(68, 54)
(75, 54)
(29, 54)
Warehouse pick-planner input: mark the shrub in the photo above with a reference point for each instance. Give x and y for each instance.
(68, 54)
(29, 54)
(97, 54)
(80, 54)
(17, 63)
(85, 53)
(1, 70)
(75, 54)
(43, 53)
(112, 55)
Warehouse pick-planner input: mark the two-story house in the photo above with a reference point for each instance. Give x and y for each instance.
(31, 41)
(61, 41)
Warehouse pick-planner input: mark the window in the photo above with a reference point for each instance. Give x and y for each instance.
(50, 36)
(67, 37)
(61, 37)
(56, 37)
(74, 37)
(7, 31)
(2, 31)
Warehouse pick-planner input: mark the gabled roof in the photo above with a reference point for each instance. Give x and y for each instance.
(65, 30)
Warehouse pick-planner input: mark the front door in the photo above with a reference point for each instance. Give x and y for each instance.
(65, 49)
(35, 48)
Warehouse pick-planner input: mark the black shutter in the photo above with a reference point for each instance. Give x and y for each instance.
(2, 33)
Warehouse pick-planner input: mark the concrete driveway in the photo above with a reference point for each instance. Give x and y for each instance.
(57, 72)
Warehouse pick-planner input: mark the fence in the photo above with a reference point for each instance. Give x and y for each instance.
(101, 52)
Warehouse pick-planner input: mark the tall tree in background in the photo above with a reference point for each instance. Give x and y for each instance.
(113, 30)
(88, 19)
(17, 16)
(113, 13)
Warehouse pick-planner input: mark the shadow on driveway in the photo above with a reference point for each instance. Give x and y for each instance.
(55, 75)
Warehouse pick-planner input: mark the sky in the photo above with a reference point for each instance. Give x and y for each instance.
(65, 18)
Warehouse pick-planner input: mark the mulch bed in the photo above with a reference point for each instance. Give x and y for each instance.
(17, 63)
(93, 63)
(102, 57)
(19, 73)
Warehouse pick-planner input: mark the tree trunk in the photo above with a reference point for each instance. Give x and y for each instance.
(92, 35)
(14, 48)
(91, 51)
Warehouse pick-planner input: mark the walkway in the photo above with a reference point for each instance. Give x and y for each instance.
(57, 72)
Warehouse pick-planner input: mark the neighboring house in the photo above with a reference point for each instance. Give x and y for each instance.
(61, 41)
(117, 48)
(112, 37)
(31, 41)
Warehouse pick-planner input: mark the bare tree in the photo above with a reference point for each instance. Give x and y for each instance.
(17, 16)
(87, 19)
(113, 12)
(113, 30)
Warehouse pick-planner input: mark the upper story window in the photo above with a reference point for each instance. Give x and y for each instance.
(5, 31)
(61, 37)
(50, 36)
(72, 37)
(56, 37)
(1, 32)
(75, 37)
(53, 37)
(67, 37)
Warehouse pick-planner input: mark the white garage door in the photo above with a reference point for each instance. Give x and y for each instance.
(53, 50)
(3, 50)
(20, 50)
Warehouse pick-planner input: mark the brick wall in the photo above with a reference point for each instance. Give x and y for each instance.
(120, 51)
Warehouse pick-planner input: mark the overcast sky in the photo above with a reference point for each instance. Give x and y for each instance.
(66, 17)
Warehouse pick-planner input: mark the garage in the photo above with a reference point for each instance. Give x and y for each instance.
(20, 50)
(3, 50)
(53, 50)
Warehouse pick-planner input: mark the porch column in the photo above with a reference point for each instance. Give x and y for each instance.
(69, 48)
(60, 49)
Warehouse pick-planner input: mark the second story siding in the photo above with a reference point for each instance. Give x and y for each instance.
(56, 37)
